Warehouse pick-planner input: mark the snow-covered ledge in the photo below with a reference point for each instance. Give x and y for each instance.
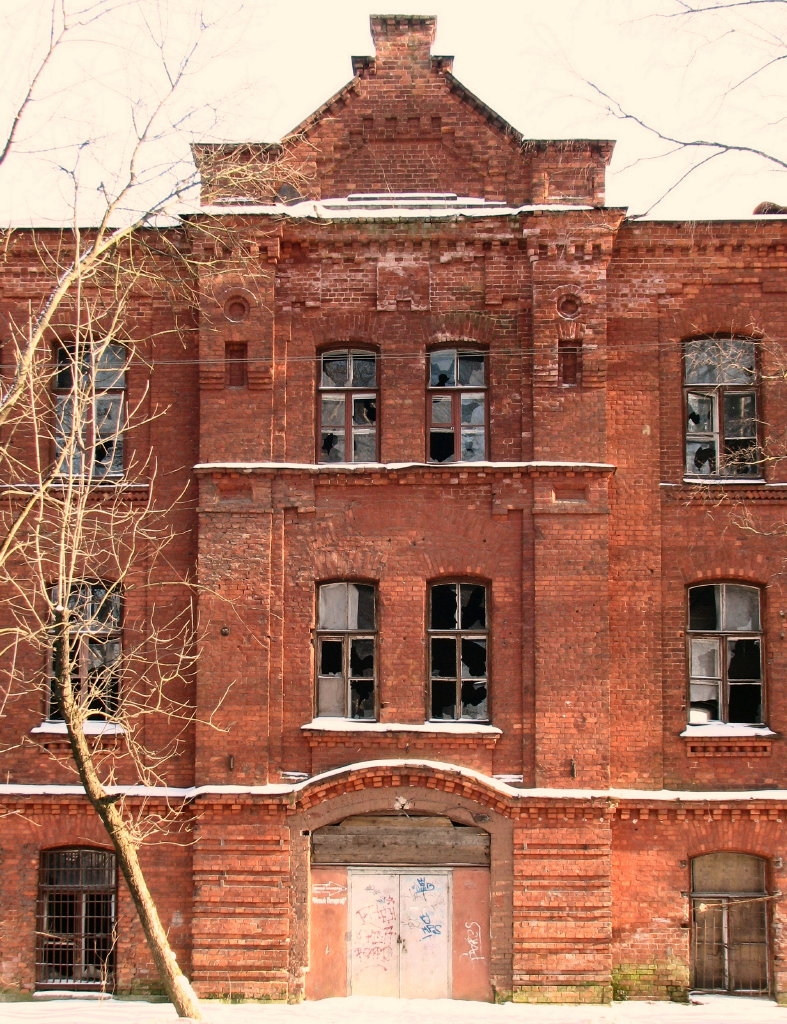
(95, 728)
(718, 730)
(429, 728)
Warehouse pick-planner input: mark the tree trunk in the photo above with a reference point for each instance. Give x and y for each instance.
(176, 984)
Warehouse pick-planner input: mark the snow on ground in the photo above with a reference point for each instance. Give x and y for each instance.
(704, 1009)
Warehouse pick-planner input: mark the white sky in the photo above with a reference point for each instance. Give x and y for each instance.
(262, 65)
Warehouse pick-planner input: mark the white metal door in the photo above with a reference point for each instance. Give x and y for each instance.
(399, 933)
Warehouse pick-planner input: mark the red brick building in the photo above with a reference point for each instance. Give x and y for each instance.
(487, 533)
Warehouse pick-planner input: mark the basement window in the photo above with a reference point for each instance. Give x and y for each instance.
(346, 649)
(76, 930)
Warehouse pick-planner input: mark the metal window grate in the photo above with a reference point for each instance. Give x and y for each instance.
(77, 929)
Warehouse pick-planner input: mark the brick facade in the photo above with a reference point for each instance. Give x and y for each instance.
(581, 523)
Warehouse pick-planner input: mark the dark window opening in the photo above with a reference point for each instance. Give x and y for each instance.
(236, 358)
(569, 361)
(725, 655)
(458, 679)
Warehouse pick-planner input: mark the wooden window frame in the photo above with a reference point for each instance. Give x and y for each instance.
(351, 429)
(723, 638)
(718, 443)
(85, 389)
(95, 625)
(349, 640)
(458, 635)
(455, 426)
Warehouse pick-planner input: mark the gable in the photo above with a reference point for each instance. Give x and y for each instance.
(406, 124)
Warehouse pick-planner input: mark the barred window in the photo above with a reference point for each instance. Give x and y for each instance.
(77, 919)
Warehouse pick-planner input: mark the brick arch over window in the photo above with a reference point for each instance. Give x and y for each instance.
(76, 919)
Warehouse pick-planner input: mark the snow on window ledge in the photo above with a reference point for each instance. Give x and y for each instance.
(723, 481)
(719, 730)
(53, 728)
(358, 725)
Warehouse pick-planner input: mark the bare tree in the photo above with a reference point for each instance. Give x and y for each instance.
(83, 532)
(745, 45)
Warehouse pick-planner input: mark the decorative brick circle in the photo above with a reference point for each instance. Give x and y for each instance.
(569, 306)
(236, 308)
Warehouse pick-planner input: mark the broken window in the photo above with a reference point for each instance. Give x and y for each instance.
(346, 647)
(721, 407)
(89, 385)
(458, 652)
(77, 912)
(725, 654)
(236, 358)
(456, 406)
(86, 647)
(348, 407)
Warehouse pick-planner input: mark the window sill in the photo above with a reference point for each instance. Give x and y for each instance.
(720, 740)
(91, 728)
(724, 481)
(322, 731)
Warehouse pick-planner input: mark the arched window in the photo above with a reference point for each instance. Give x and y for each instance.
(725, 654)
(77, 917)
(86, 645)
(720, 385)
(89, 389)
(346, 650)
(456, 406)
(348, 406)
(458, 635)
(729, 923)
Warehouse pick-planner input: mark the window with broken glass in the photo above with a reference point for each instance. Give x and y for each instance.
(346, 643)
(348, 407)
(86, 646)
(721, 407)
(456, 406)
(89, 386)
(725, 654)
(77, 911)
(458, 638)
